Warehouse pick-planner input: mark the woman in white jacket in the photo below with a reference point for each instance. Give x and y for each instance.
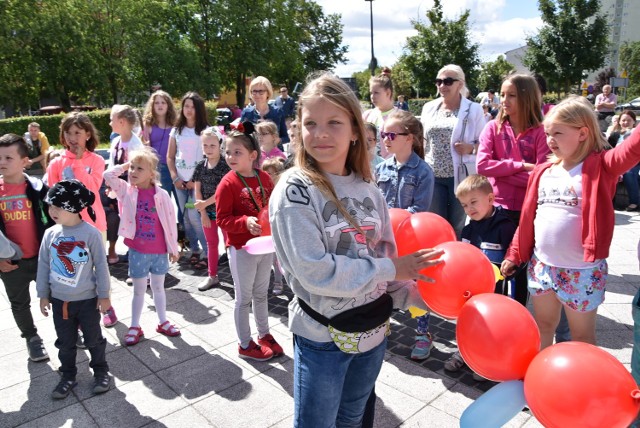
(452, 125)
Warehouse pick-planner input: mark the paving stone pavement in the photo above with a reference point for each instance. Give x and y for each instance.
(197, 379)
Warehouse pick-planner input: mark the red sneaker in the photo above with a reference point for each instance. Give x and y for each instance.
(255, 352)
(269, 342)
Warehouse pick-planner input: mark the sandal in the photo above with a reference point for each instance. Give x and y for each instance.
(202, 264)
(168, 329)
(131, 339)
(194, 259)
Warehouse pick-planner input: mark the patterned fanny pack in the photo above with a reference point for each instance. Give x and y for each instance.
(359, 329)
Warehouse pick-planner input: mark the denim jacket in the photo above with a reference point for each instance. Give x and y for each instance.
(275, 114)
(408, 187)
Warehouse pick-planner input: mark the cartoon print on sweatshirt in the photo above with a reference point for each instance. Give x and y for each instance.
(68, 258)
(361, 211)
(568, 196)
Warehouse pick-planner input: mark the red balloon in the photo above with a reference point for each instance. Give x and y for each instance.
(406, 240)
(466, 272)
(575, 384)
(398, 215)
(263, 221)
(422, 230)
(497, 337)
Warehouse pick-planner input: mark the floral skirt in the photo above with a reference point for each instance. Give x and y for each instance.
(580, 289)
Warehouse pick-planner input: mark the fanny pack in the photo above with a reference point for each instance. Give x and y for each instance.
(359, 329)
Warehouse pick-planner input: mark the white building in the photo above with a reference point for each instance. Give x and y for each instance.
(624, 26)
(623, 17)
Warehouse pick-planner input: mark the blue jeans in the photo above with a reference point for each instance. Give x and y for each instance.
(446, 205)
(630, 179)
(635, 353)
(330, 387)
(192, 223)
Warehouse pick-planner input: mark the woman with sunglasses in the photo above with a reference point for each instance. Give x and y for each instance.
(261, 92)
(452, 125)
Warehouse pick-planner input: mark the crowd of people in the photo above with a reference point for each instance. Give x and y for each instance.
(530, 185)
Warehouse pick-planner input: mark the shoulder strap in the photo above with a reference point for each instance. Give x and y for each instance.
(321, 319)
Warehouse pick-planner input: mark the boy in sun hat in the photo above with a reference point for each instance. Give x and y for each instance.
(73, 280)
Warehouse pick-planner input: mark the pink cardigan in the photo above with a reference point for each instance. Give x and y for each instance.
(501, 157)
(128, 196)
(600, 172)
(87, 170)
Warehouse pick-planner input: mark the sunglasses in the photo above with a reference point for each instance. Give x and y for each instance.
(447, 81)
(258, 91)
(391, 135)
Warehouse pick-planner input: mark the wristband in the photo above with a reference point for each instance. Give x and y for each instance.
(175, 180)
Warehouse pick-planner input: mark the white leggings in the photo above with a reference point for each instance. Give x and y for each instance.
(159, 298)
(251, 274)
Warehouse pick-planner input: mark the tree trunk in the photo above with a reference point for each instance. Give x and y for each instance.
(65, 100)
(240, 90)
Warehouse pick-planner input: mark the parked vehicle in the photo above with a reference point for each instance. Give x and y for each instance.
(633, 105)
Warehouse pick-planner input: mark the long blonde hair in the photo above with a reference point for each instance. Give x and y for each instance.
(335, 91)
(577, 112)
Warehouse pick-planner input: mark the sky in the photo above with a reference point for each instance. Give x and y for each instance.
(497, 25)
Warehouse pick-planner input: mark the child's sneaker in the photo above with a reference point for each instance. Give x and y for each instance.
(277, 288)
(209, 283)
(454, 363)
(268, 341)
(102, 383)
(109, 319)
(255, 352)
(36, 350)
(422, 349)
(63, 389)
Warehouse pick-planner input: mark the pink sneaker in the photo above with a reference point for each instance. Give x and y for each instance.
(109, 319)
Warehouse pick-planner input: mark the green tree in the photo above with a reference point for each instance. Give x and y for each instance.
(492, 73)
(437, 44)
(630, 61)
(572, 41)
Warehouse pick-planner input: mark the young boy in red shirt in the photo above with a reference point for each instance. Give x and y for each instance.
(23, 219)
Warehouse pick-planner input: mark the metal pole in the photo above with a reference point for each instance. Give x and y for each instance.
(373, 58)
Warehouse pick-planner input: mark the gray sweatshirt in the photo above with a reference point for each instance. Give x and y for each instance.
(327, 262)
(72, 264)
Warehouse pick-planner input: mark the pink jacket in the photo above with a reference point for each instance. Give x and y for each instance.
(501, 157)
(600, 172)
(128, 196)
(87, 170)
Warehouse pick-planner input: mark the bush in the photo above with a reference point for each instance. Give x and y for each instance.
(212, 113)
(416, 104)
(50, 125)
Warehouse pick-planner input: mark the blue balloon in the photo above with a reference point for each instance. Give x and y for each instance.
(495, 407)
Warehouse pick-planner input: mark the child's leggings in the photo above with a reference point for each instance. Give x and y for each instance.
(159, 298)
(211, 235)
(251, 274)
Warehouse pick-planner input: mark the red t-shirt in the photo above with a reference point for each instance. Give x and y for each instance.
(149, 237)
(234, 204)
(17, 214)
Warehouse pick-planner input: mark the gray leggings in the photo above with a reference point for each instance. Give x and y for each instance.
(251, 274)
